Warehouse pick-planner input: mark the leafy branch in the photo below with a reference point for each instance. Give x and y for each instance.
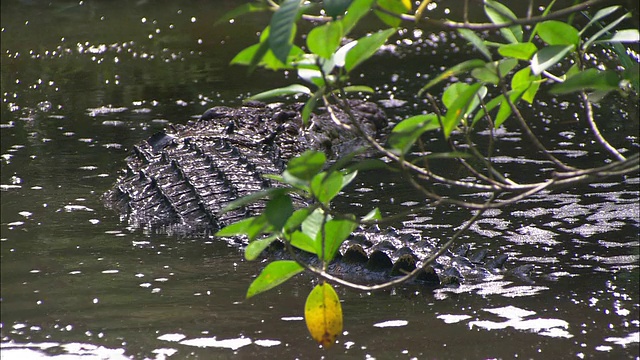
(550, 56)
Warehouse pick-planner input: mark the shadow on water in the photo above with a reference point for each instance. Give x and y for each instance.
(84, 81)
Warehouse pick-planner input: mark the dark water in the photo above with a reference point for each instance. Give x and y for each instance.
(82, 82)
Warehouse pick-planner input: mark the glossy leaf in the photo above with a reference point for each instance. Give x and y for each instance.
(459, 107)
(476, 41)
(487, 108)
(500, 14)
(303, 242)
(326, 186)
(521, 51)
(348, 178)
(313, 76)
(241, 10)
(307, 165)
(373, 215)
(287, 90)
(591, 79)
(486, 74)
(548, 57)
(406, 132)
(310, 105)
(296, 219)
(622, 36)
(599, 15)
(356, 11)
(278, 211)
(335, 232)
(555, 32)
(273, 275)
(312, 224)
(256, 247)
(604, 30)
(282, 25)
(358, 88)
(253, 197)
(237, 228)
(323, 314)
(453, 71)
(523, 80)
(393, 6)
(335, 8)
(369, 164)
(365, 48)
(505, 109)
(325, 39)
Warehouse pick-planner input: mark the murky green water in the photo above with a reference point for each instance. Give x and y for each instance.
(83, 82)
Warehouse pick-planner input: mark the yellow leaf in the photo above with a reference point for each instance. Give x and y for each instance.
(407, 4)
(323, 314)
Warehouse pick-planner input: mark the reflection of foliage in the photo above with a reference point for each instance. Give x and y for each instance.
(549, 56)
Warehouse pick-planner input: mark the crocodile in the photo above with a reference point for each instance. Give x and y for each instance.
(180, 179)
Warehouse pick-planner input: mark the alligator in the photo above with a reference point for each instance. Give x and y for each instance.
(180, 179)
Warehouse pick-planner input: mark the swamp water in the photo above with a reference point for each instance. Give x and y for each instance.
(83, 82)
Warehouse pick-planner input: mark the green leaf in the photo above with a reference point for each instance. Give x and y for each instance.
(356, 11)
(505, 109)
(369, 164)
(591, 79)
(487, 108)
(311, 225)
(251, 198)
(256, 247)
(237, 228)
(555, 32)
(365, 48)
(273, 275)
(282, 24)
(622, 36)
(287, 90)
(335, 231)
(335, 8)
(603, 31)
(313, 76)
(325, 186)
(523, 80)
(486, 74)
(393, 6)
(459, 107)
(453, 71)
(310, 105)
(522, 51)
(244, 56)
(340, 56)
(241, 10)
(348, 178)
(252, 227)
(307, 165)
(500, 14)
(599, 15)
(373, 215)
(303, 242)
(324, 40)
(548, 57)
(296, 219)
(357, 88)
(406, 132)
(443, 155)
(278, 211)
(476, 41)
